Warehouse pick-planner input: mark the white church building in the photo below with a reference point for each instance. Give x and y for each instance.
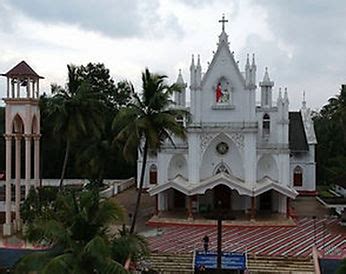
(242, 157)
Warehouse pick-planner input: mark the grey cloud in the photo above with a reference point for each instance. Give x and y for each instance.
(314, 31)
(196, 3)
(7, 23)
(114, 18)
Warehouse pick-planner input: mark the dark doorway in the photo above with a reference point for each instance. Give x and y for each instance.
(222, 193)
(266, 201)
(153, 174)
(179, 199)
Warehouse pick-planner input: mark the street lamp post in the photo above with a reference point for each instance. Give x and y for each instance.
(314, 218)
(219, 238)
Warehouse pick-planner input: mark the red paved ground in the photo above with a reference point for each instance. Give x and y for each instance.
(272, 241)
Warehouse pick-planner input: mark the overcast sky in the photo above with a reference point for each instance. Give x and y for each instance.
(303, 42)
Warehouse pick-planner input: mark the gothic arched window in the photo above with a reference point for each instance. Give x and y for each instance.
(298, 176)
(153, 174)
(221, 168)
(266, 125)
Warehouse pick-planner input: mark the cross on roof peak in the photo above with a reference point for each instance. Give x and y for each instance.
(223, 21)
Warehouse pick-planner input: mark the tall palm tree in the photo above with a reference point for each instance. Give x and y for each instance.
(75, 112)
(77, 233)
(147, 122)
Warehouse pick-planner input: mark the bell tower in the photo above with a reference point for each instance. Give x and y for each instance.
(22, 126)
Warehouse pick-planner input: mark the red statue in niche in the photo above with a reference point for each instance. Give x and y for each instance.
(218, 93)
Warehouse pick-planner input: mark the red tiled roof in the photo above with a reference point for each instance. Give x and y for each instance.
(22, 69)
(258, 240)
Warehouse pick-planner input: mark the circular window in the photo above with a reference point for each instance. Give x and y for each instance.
(222, 148)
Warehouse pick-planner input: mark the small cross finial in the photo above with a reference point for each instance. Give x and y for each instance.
(223, 21)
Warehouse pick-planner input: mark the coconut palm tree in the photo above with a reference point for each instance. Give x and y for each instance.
(75, 112)
(147, 122)
(77, 234)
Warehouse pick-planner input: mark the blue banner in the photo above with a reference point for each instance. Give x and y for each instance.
(229, 260)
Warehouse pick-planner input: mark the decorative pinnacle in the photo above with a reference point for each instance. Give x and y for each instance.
(253, 60)
(304, 101)
(280, 94)
(266, 75)
(192, 63)
(247, 61)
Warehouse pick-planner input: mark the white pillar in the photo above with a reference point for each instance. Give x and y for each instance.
(250, 163)
(18, 88)
(194, 158)
(37, 160)
(12, 88)
(17, 191)
(27, 164)
(8, 87)
(37, 89)
(28, 88)
(33, 88)
(7, 226)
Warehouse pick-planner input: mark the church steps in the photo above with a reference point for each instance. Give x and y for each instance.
(182, 263)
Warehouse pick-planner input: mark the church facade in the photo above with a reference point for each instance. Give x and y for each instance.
(238, 156)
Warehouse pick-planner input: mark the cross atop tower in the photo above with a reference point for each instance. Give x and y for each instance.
(223, 21)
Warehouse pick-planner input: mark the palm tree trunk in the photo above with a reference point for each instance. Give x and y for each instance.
(141, 182)
(63, 171)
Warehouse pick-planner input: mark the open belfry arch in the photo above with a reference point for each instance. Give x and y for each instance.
(22, 128)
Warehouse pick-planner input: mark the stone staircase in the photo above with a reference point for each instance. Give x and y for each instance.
(182, 263)
(283, 265)
(171, 263)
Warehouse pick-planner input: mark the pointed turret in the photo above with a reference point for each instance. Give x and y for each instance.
(192, 73)
(279, 100)
(266, 90)
(285, 105)
(304, 101)
(247, 71)
(253, 70)
(286, 97)
(198, 71)
(180, 97)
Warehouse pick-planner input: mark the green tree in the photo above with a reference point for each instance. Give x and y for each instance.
(110, 96)
(40, 203)
(74, 112)
(342, 268)
(147, 122)
(330, 127)
(114, 95)
(77, 232)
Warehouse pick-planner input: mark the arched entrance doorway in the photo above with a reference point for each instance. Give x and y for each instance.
(266, 201)
(222, 193)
